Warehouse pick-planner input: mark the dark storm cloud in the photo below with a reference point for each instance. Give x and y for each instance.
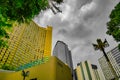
(79, 31)
(80, 23)
(62, 31)
(100, 8)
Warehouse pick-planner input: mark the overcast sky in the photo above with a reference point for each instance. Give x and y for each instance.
(79, 25)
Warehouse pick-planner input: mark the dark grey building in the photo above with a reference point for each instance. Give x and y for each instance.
(62, 52)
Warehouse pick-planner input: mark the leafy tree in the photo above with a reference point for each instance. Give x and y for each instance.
(114, 23)
(22, 11)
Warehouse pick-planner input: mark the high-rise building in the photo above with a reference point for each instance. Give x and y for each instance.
(106, 69)
(87, 71)
(62, 52)
(114, 57)
(115, 53)
(27, 43)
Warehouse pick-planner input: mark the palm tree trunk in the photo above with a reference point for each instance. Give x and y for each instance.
(109, 64)
(105, 54)
(24, 78)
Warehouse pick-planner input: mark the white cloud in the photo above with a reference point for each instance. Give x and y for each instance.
(66, 13)
(86, 8)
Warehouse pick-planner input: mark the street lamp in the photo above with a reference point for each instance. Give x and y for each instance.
(101, 46)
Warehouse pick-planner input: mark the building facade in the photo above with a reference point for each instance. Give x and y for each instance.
(54, 69)
(62, 52)
(106, 68)
(114, 57)
(97, 72)
(27, 43)
(87, 71)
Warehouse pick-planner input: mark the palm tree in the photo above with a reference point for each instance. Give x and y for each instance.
(53, 7)
(100, 46)
(25, 74)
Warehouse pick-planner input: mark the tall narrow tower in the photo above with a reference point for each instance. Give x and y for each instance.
(62, 52)
(27, 43)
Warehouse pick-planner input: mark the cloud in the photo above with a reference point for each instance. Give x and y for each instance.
(80, 3)
(79, 31)
(80, 23)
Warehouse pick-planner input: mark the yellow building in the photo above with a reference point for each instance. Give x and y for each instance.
(54, 69)
(87, 71)
(84, 71)
(27, 43)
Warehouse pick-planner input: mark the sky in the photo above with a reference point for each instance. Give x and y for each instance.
(79, 25)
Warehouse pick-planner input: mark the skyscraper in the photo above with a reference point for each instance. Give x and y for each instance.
(114, 57)
(27, 43)
(106, 69)
(62, 52)
(87, 71)
(115, 53)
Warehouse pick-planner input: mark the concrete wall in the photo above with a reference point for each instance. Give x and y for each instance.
(54, 69)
